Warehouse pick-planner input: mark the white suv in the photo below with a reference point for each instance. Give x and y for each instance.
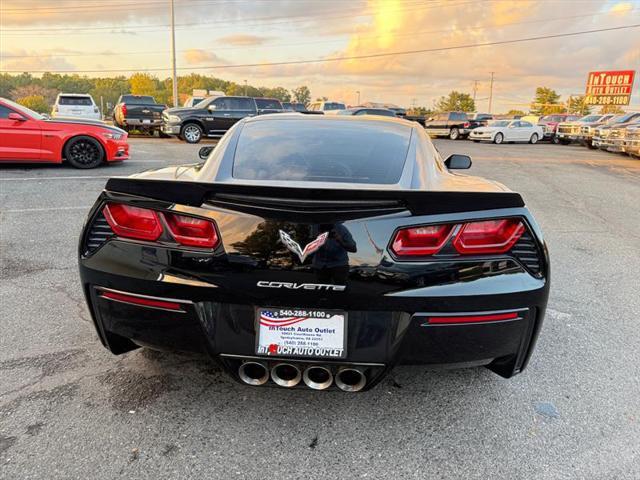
(326, 107)
(79, 105)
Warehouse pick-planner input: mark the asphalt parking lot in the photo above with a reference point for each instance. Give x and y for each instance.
(69, 409)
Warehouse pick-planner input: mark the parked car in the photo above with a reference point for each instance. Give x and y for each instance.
(454, 125)
(367, 111)
(28, 136)
(139, 112)
(482, 119)
(317, 251)
(326, 107)
(501, 131)
(294, 107)
(192, 101)
(614, 141)
(75, 105)
(549, 124)
(631, 142)
(601, 135)
(214, 116)
(568, 132)
(587, 130)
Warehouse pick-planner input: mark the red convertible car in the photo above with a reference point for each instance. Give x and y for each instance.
(27, 136)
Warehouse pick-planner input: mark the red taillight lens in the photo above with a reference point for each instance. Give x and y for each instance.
(192, 231)
(124, 110)
(133, 222)
(466, 125)
(488, 236)
(420, 241)
(143, 301)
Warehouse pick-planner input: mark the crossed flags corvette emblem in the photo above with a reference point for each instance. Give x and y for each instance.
(310, 248)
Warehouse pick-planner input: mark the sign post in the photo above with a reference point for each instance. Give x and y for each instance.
(609, 87)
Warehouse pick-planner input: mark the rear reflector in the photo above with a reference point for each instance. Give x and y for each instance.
(133, 222)
(488, 236)
(192, 231)
(142, 301)
(495, 317)
(420, 241)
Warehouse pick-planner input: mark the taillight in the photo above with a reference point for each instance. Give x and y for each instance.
(133, 222)
(466, 125)
(128, 221)
(192, 231)
(471, 238)
(124, 110)
(488, 236)
(420, 241)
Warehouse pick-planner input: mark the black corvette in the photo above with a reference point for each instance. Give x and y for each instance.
(318, 251)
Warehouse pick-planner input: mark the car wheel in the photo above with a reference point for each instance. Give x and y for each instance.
(84, 152)
(454, 133)
(590, 145)
(534, 139)
(555, 140)
(498, 139)
(565, 142)
(192, 133)
(476, 141)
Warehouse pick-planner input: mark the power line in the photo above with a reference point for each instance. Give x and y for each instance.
(351, 57)
(22, 32)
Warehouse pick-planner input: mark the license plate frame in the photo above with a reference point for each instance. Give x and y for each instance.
(309, 344)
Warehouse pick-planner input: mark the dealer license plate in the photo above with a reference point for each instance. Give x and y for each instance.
(146, 121)
(295, 332)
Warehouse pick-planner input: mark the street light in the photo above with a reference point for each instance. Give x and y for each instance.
(358, 92)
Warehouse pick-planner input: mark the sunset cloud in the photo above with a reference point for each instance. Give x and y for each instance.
(243, 39)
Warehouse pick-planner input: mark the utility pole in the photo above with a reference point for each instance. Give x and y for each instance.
(245, 88)
(491, 92)
(475, 90)
(173, 57)
(358, 92)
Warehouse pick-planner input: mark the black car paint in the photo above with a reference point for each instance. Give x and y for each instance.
(388, 301)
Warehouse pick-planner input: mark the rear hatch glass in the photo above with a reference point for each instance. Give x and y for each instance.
(319, 151)
(75, 101)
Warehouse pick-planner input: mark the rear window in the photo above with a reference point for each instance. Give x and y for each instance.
(83, 101)
(320, 151)
(138, 99)
(334, 106)
(268, 104)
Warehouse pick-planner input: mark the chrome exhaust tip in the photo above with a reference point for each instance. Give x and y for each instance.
(350, 379)
(286, 375)
(253, 373)
(317, 377)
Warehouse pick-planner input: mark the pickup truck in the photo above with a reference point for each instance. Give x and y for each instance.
(454, 125)
(549, 124)
(138, 112)
(214, 116)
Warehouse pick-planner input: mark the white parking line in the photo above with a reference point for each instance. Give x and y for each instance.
(48, 209)
(24, 179)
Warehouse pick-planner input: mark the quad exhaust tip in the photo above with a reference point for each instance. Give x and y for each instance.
(253, 373)
(286, 375)
(350, 379)
(317, 377)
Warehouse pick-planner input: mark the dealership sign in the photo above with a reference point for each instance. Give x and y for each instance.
(609, 88)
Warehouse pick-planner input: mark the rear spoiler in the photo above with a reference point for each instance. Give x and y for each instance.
(351, 203)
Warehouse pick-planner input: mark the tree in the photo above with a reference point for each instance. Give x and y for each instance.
(248, 90)
(34, 102)
(456, 102)
(546, 102)
(576, 104)
(302, 94)
(143, 84)
(34, 90)
(611, 109)
(420, 111)
(322, 99)
(515, 113)
(280, 93)
(109, 89)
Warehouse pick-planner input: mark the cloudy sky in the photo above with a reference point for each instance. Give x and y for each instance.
(217, 37)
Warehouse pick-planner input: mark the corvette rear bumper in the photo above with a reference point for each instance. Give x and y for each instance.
(381, 338)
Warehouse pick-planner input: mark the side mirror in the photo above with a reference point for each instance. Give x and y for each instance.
(211, 108)
(204, 152)
(458, 162)
(16, 117)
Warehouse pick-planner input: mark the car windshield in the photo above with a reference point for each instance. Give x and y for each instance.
(590, 118)
(500, 123)
(334, 106)
(24, 110)
(197, 101)
(321, 151)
